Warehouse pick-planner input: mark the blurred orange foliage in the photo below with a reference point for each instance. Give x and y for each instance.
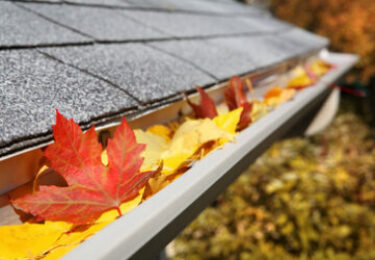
(350, 25)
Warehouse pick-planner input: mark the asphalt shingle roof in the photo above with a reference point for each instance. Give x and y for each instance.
(103, 24)
(97, 60)
(144, 73)
(18, 27)
(32, 86)
(116, 3)
(208, 6)
(195, 25)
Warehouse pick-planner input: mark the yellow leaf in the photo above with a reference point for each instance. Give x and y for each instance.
(70, 240)
(319, 67)
(30, 240)
(59, 251)
(155, 184)
(300, 78)
(155, 146)
(228, 121)
(162, 131)
(52, 240)
(125, 207)
(259, 110)
(276, 96)
(189, 137)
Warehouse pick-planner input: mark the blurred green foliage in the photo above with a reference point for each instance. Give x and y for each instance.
(305, 198)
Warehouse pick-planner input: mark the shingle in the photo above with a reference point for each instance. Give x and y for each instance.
(44, 1)
(21, 28)
(261, 50)
(32, 86)
(303, 40)
(220, 7)
(120, 3)
(148, 74)
(101, 23)
(284, 47)
(219, 60)
(225, 57)
(192, 25)
(231, 7)
(264, 24)
(164, 4)
(144, 3)
(266, 50)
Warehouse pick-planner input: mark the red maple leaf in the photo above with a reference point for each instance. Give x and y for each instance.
(235, 97)
(245, 118)
(92, 187)
(207, 106)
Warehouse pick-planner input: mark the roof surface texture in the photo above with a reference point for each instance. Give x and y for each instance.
(97, 60)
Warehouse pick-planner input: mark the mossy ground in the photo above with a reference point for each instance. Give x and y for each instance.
(305, 198)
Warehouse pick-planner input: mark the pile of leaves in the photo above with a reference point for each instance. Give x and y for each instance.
(102, 183)
(305, 198)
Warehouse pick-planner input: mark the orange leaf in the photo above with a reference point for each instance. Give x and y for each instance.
(276, 96)
(207, 108)
(92, 187)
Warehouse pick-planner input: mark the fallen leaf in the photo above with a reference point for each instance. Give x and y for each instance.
(29, 241)
(155, 146)
(53, 239)
(206, 108)
(173, 126)
(276, 96)
(260, 109)
(245, 118)
(125, 207)
(234, 94)
(93, 187)
(229, 121)
(317, 68)
(42, 171)
(162, 131)
(155, 184)
(300, 79)
(70, 240)
(235, 97)
(161, 180)
(187, 140)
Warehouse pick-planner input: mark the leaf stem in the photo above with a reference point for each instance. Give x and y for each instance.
(119, 211)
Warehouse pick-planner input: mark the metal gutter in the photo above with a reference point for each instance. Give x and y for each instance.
(143, 232)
